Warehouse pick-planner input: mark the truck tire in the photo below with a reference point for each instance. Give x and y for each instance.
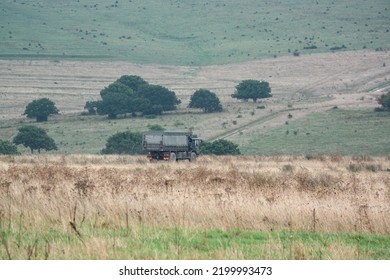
(172, 157)
(193, 157)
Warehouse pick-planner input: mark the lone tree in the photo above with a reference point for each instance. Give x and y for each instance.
(41, 109)
(252, 89)
(34, 138)
(219, 147)
(7, 148)
(206, 100)
(384, 100)
(124, 143)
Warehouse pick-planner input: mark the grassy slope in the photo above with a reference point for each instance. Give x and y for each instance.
(187, 32)
(345, 132)
(332, 132)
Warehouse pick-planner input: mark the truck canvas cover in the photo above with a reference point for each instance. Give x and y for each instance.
(153, 138)
(159, 141)
(175, 140)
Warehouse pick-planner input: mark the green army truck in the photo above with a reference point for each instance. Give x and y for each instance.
(170, 145)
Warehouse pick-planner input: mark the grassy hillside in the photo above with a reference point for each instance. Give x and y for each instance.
(333, 132)
(188, 32)
(338, 132)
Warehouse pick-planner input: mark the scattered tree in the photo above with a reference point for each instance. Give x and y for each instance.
(7, 148)
(132, 94)
(159, 97)
(34, 138)
(41, 109)
(384, 101)
(219, 147)
(124, 143)
(206, 100)
(252, 89)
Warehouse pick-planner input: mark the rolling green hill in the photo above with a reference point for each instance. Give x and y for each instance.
(188, 32)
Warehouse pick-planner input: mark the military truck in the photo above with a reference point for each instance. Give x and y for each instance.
(170, 146)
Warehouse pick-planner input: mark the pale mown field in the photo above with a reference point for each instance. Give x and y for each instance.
(302, 87)
(99, 207)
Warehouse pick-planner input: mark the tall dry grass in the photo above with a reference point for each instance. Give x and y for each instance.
(257, 193)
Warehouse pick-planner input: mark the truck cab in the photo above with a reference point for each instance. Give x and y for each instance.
(195, 144)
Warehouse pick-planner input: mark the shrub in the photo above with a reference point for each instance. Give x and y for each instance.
(7, 148)
(155, 127)
(124, 143)
(219, 147)
(384, 101)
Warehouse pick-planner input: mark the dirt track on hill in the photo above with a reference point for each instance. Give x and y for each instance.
(345, 78)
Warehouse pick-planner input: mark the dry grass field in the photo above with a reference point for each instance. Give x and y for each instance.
(70, 84)
(52, 205)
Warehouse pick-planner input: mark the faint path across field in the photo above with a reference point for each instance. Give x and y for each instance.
(71, 83)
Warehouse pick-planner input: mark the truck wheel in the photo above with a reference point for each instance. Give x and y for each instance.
(172, 157)
(193, 157)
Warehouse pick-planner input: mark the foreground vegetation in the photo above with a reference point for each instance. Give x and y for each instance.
(111, 207)
(190, 32)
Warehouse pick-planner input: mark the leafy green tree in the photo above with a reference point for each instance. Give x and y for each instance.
(115, 100)
(7, 148)
(384, 101)
(132, 94)
(132, 81)
(206, 100)
(219, 147)
(34, 138)
(153, 110)
(159, 96)
(124, 143)
(138, 105)
(114, 88)
(252, 89)
(41, 109)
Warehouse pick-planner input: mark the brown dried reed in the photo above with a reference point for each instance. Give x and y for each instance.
(256, 193)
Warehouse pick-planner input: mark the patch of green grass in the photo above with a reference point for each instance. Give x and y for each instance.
(145, 242)
(88, 134)
(344, 132)
(188, 32)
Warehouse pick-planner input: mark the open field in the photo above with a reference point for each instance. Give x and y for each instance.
(315, 181)
(110, 207)
(188, 32)
(301, 86)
